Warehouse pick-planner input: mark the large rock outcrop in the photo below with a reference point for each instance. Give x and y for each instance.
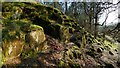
(44, 36)
(17, 35)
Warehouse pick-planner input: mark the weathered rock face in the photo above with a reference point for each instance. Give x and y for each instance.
(13, 41)
(12, 49)
(36, 38)
(54, 22)
(17, 37)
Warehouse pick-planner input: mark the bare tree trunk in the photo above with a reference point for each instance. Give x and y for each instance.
(75, 9)
(55, 4)
(66, 8)
(104, 33)
(90, 24)
(96, 23)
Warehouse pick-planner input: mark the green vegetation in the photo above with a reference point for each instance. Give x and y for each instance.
(38, 35)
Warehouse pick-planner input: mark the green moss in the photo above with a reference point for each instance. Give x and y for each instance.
(61, 64)
(6, 14)
(83, 42)
(28, 54)
(36, 27)
(12, 49)
(75, 65)
(110, 45)
(47, 17)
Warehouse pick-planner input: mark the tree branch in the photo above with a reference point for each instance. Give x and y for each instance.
(106, 17)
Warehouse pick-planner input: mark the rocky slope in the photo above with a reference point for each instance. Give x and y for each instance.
(37, 35)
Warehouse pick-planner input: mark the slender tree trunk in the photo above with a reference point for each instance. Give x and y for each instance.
(55, 4)
(90, 24)
(66, 8)
(75, 9)
(104, 32)
(96, 23)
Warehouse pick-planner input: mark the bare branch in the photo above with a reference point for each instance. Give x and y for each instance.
(107, 17)
(112, 5)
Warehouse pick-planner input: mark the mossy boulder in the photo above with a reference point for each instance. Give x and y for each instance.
(36, 38)
(17, 35)
(12, 49)
(54, 22)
